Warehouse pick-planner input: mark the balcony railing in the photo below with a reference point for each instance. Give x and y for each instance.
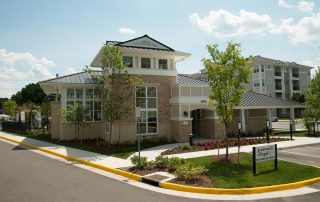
(277, 73)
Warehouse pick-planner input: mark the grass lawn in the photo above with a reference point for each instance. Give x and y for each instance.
(234, 175)
(298, 134)
(122, 151)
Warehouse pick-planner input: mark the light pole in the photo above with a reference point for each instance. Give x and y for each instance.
(291, 122)
(314, 126)
(239, 134)
(268, 125)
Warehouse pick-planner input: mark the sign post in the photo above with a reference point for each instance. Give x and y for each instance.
(264, 153)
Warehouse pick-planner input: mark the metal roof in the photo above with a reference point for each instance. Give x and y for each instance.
(188, 80)
(256, 100)
(77, 78)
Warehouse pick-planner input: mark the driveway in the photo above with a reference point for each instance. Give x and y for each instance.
(309, 154)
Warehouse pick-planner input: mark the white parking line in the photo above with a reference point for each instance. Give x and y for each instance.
(301, 154)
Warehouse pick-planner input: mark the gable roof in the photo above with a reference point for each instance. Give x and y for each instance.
(142, 42)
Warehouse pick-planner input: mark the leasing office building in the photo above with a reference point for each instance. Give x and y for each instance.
(173, 105)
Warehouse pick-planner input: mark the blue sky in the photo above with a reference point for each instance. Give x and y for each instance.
(40, 38)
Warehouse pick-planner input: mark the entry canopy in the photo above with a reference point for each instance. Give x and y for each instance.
(253, 100)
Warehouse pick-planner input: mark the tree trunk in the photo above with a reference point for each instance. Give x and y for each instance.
(110, 134)
(227, 142)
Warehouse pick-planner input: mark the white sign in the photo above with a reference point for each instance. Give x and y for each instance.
(265, 153)
(138, 112)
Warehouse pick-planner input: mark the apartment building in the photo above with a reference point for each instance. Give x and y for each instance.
(275, 78)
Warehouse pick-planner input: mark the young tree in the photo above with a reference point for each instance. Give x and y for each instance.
(118, 86)
(31, 107)
(312, 100)
(227, 71)
(45, 113)
(10, 107)
(77, 116)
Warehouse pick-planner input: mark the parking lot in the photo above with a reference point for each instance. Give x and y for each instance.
(309, 154)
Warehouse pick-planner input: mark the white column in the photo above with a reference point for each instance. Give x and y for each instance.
(243, 120)
(292, 117)
(290, 82)
(269, 117)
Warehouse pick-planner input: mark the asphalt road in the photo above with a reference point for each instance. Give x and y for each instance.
(309, 154)
(27, 176)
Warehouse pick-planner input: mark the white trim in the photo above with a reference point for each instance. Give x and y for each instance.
(153, 72)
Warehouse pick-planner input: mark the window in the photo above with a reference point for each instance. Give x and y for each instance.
(295, 72)
(163, 64)
(127, 61)
(146, 98)
(277, 70)
(89, 99)
(269, 67)
(145, 63)
(256, 70)
(278, 84)
(262, 68)
(256, 82)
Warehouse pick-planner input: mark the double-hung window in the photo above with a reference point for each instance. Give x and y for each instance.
(146, 99)
(89, 99)
(127, 61)
(146, 63)
(163, 64)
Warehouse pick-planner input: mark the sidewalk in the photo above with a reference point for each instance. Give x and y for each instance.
(152, 153)
(101, 159)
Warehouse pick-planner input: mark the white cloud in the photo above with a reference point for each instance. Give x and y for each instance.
(126, 30)
(222, 23)
(307, 30)
(18, 69)
(70, 70)
(284, 4)
(306, 6)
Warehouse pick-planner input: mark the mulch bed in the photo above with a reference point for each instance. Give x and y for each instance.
(220, 144)
(232, 158)
(201, 181)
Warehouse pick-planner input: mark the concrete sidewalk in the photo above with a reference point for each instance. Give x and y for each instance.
(152, 153)
(101, 159)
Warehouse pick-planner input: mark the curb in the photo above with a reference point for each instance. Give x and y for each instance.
(254, 190)
(178, 187)
(78, 160)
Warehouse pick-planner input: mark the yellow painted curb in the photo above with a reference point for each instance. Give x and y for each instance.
(253, 190)
(78, 160)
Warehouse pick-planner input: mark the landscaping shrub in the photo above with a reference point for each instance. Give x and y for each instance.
(175, 162)
(143, 161)
(189, 171)
(162, 162)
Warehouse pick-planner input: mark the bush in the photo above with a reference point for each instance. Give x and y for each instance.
(143, 161)
(188, 171)
(162, 162)
(175, 162)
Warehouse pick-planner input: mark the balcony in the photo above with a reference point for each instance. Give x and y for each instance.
(278, 84)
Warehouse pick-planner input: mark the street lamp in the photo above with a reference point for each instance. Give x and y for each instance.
(268, 125)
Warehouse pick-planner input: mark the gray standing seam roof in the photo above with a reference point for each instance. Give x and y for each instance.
(77, 78)
(187, 80)
(253, 99)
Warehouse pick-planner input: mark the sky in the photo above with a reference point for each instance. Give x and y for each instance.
(39, 38)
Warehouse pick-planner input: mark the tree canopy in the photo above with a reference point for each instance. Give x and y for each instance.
(10, 107)
(30, 93)
(227, 72)
(313, 99)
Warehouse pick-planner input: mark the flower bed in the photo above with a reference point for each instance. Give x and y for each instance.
(218, 144)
